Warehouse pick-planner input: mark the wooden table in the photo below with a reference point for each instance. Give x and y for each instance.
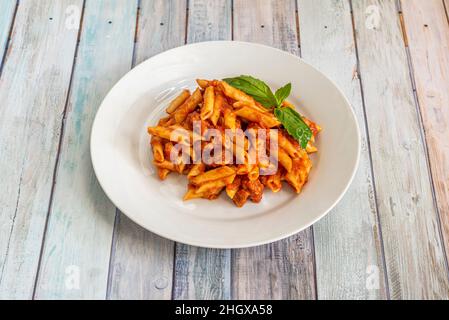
(60, 237)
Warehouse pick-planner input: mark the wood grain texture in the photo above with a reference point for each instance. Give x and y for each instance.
(81, 220)
(142, 262)
(202, 273)
(33, 91)
(427, 31)
(284, 269)
(347, 242)
(6, 21)
(446, 6)
(414, 251)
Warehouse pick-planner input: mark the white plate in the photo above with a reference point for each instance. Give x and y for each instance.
(122, 159)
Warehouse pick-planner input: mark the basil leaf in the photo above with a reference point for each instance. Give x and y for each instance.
(282, 93)
(295, 126)
(256, 88)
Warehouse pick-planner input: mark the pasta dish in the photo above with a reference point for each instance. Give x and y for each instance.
(234, 135)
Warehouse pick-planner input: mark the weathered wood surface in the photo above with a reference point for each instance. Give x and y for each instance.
(142, 262)
(446, 6)
(284, 269)
(7, 14)
(427, 31)
(202, 273)
(33, 91)
(414, 252)
(81, 219)
(56, 223)
(349, 260)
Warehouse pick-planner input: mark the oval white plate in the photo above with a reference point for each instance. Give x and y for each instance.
(122, 159)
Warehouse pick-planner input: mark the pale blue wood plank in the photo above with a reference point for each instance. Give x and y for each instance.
(142, 262)
(283, 269)
(6, 21)
(80, 227)
(348, 249)
(414, 251)
(202, 273)
(33, 91)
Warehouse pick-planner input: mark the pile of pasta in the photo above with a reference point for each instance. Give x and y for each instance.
(218, 105)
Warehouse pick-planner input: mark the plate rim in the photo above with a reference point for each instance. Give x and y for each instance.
(248, 244)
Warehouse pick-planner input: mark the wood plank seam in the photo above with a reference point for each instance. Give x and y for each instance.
(112, 252)
(298, 34)
(446, 8)
(312, 236)
(13, 224)
(423, 135)
(173, 283)
(8, 40)
(61, 137)
(359, 77)
(117, 212)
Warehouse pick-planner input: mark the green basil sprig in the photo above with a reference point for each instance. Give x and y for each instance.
(261, 92)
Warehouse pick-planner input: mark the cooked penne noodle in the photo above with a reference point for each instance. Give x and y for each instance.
(162, 173)
(310, 148)
(229, 118)
(285, 160)
(240, 104)
(202, 83)
(196, 170)
(253, 172)
(215, 174)
(297, 177)
(178, 101)
(266, 120)
(286, 103)
(232, 188)
(216, 184)
(188, 106)
(172, 133)
(312, 125)
(208, 105)
(235, 93)
(218, 106)
(166, 164)
(273, 182)
(158, 151)
(289, 146)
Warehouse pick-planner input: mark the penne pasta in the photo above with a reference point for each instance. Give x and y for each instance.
(208, 105)
(292, 148)
(172, 133)
(178, 101)
(165, 165)
(188, 106)
(265, 120)
(235, 93)
(162, 173)
(196, 170)
(215, 184)
(158, 151)
(215, 174)
(285, 160)
(218, 106)
(229, 118)
(297, 177)
(232, 188)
